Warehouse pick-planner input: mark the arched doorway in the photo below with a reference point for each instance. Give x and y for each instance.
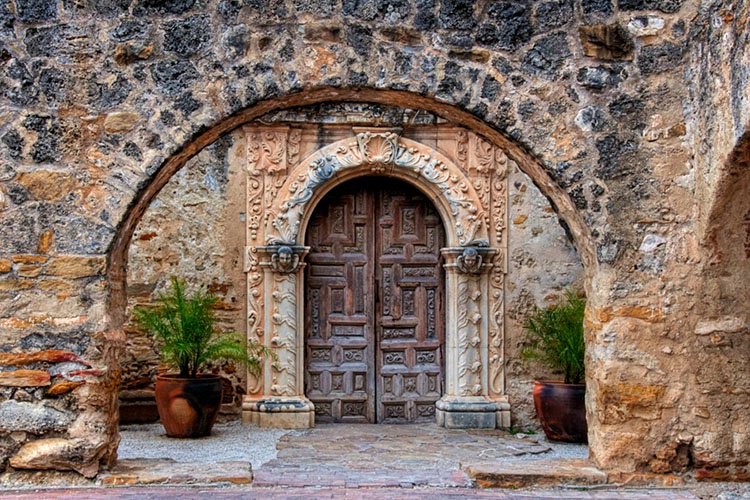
(461, 174)
(374, 314)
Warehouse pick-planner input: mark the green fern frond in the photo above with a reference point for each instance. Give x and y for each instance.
(556, 336)
(186, 326)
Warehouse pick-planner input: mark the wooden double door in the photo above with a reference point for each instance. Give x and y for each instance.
(374, 304)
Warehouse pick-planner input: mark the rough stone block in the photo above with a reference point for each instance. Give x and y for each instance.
(117, 123)
(70, 266)
(47, 185)
(25, 378)
(608, 42)
(47, 356)
(22, 416)
(59, 454)
(29, 271)
(46, 240)
(166, 471)
(63, 388)
(30, 259)
(5, 266)
(521, 474)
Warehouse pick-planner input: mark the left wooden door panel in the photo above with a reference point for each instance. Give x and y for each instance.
(339, 372)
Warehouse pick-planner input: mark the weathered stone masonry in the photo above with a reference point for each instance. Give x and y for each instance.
(630, 116)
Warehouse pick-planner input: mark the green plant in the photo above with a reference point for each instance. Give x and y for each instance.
(186, 325)
(556, 336)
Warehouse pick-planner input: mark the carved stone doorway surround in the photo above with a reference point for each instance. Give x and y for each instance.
(466, 179)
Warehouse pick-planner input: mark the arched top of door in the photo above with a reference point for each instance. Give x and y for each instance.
(382, 153)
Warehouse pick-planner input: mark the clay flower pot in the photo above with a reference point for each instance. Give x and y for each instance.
(561, 409)
(188, 406)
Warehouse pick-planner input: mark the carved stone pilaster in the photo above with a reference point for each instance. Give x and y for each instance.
(283, 402)
(488, 165)
(274, 281)
(266, 166)
(466, 402)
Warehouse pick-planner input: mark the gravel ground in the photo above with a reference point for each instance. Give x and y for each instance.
(228, 442)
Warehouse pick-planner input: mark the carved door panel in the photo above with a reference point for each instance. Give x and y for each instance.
(339, 308)
(409, 326)
(373, 307)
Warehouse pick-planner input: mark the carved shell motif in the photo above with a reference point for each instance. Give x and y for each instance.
(378, 149)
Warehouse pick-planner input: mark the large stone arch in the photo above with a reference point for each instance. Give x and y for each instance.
(471, 201)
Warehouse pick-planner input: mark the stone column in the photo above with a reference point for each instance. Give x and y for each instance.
(281, 403)
(467, 402)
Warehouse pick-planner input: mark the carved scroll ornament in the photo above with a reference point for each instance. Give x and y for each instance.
(379, 152)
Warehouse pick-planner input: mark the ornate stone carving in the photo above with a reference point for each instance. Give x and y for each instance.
(472, 200)
(293, 147)
(266, 169)
(266, 150)
(378, 149)
(285, 260)
(383, 150)
(496, 347)
(489, 166)
(284, 335)
(470, 261)
(255, 331)
(469, 336)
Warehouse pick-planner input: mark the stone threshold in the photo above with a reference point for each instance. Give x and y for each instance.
(161, 471)
(510, 473)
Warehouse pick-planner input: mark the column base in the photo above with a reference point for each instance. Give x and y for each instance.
(454, 412)
(279, 413)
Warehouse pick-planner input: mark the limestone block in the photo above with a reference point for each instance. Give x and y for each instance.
(47, 185)
(59, 454)
(723, 325)
(5, 266)
(46, 240)
(25, 378)
(117, 123)
(645, 25)
(29, 271)
(19, 416)
(70, 266)
(29, 259)
(63, 388)
(622, 402)
(47, 356)
(12, 285)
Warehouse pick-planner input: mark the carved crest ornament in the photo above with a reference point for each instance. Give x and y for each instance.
(465, 176)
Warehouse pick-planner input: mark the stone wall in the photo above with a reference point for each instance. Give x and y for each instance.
(603, 104)
(194, 231)
(719, 97)
(541, 264)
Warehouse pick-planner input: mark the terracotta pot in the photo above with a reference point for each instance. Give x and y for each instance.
(562, 410)
(188, 406)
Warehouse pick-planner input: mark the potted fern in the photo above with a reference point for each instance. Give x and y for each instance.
(556, 339)
(188, 401)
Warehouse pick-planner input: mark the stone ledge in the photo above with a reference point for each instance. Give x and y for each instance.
(143, 471)
(525, 473)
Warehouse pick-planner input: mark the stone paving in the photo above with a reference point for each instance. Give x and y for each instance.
(386, 455)
(372, 461)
